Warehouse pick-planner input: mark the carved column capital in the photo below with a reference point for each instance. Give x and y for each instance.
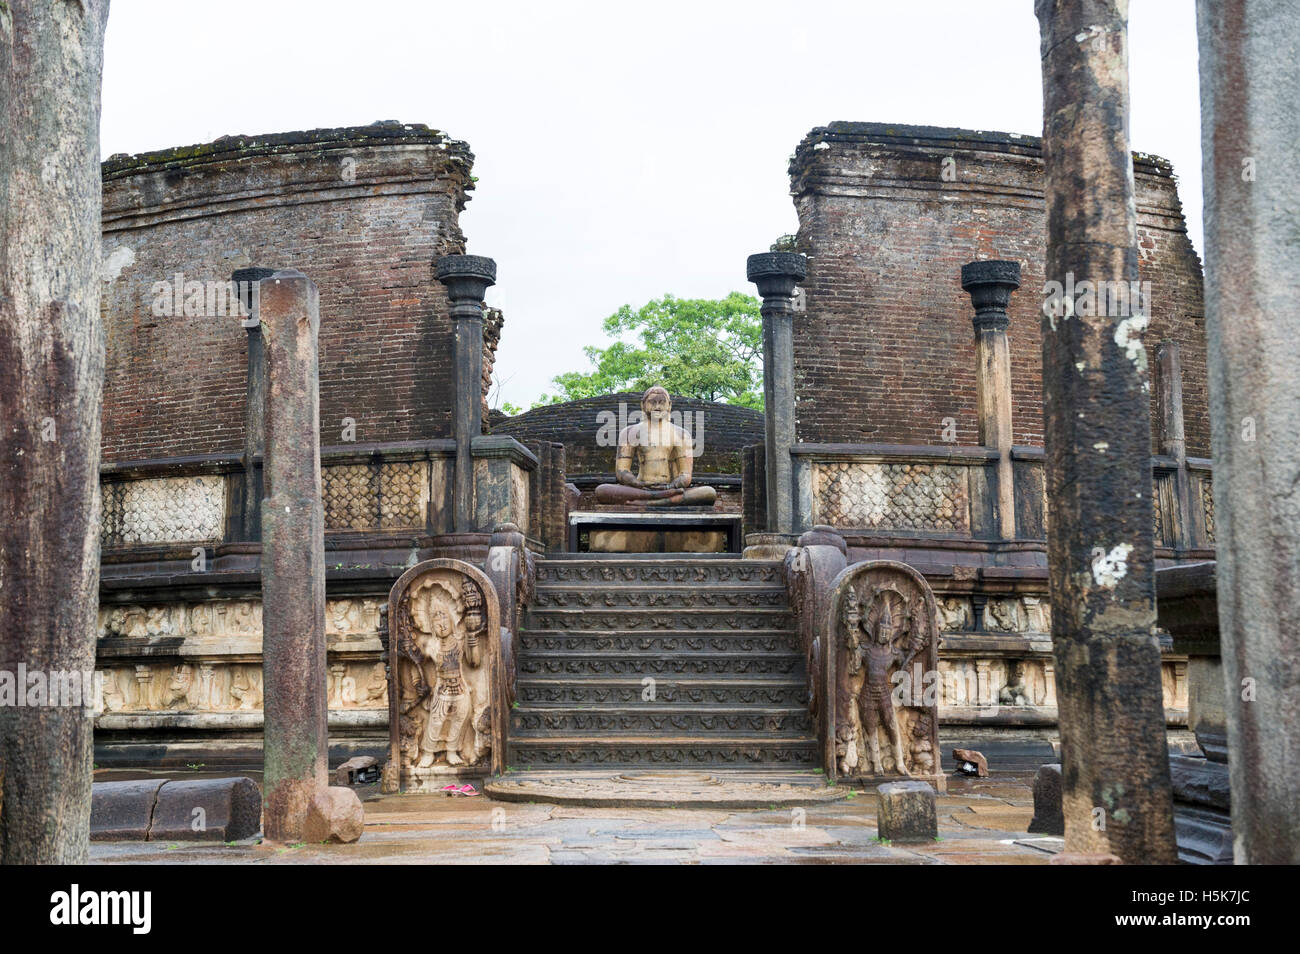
(990, 284)
(776, 274)
(467, 278)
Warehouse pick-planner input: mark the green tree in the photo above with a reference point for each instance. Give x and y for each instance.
(697, 347)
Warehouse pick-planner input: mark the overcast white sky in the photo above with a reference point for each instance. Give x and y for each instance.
(622, 152)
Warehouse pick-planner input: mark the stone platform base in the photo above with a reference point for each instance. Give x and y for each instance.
(633, 789)
(679, 530)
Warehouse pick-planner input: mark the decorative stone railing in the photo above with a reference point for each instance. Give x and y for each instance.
(365, 488)
(938, 492)
(878, 487)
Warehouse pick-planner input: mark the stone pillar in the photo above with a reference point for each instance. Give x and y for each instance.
(293, 559)
(776, 274)
(990, 284)
(467, 277)
(1249, 128)
(1096, 413)
(246, 284)
(1173, 439)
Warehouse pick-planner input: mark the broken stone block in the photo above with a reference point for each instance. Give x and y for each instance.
(970, 762)
(358, 770)
(1049, 817)
(905, 812)
(334, 815)
(207, 809)
(123, 811)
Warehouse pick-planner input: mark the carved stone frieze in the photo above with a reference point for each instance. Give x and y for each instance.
(1009, 614)
(207, 686)
(226, 618)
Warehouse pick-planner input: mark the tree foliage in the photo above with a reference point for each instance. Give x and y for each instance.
(696, 347)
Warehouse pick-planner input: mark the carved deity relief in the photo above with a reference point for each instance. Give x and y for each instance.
(444, 667)
(885, 634)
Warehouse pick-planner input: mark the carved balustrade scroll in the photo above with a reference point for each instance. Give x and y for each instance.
(809, 570)
(446, 698)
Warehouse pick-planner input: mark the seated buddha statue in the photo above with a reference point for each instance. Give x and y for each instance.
(660, 451)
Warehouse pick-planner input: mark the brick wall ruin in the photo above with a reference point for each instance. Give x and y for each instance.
(888, 214)
(363, 211)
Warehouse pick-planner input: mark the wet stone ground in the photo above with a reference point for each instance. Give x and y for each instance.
(981, 821)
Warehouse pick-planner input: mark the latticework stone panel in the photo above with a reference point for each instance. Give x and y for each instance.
(403, 494)
(892, 496)
(163, 510)
(375, 496)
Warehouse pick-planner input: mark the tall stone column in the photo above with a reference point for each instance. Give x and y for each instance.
(246, 284)
(990, 284)
(1249, 130)
(467, 278)
(776, 274)
(1115, 762)
(51, 393)
(296, 738)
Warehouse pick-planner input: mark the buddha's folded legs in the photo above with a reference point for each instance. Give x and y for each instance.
(688, 496)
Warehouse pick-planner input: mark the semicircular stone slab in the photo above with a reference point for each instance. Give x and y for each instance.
(632, 789)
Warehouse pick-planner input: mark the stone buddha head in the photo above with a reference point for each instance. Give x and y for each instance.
(656, 404)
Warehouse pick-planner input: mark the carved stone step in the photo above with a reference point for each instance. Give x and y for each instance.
(538, 691)
(640, 751)
(632, 620)
(658, 572)
(654, 664)
(762, 641)
(659, 719)
(697, 596)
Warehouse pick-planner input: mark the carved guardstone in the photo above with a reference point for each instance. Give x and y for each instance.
(883, 633)
(445, 703)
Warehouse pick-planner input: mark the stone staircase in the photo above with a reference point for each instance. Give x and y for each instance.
(660, 661)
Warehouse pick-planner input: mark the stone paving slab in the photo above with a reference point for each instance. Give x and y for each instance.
(979, 823)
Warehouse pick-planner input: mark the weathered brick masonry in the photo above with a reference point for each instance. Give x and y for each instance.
(884, 351)
(363, 211)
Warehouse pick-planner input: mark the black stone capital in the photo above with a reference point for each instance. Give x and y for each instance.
(776, 273)
(245, 279)
(467, 278)
(990, 284)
